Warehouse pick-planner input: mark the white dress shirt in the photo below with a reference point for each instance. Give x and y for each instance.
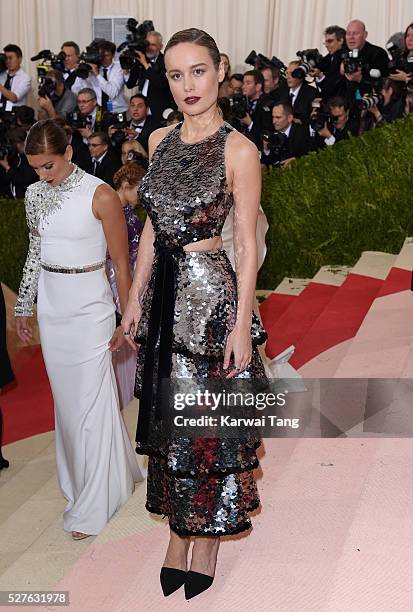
(113, 87)
(20, 85)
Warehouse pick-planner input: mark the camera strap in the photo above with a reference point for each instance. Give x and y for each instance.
(105, 97)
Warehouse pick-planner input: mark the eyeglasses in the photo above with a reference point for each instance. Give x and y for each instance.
(85, 101)
(98, 144)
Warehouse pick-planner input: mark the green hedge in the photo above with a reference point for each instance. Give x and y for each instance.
(325, 209)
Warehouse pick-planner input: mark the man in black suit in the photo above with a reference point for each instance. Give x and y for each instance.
(297, 140)
(149, 75)
(105, 161)
(141, 124)
(18, 174)
(301, 94)
(258, 118)
(274, 84)
(342, 123)
(329, 79)
(359, 82)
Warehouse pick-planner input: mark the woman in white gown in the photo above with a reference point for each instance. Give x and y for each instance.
(73, 218)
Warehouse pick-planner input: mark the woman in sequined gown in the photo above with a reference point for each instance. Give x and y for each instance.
(191, 314)
(126, 181)
(73, 219)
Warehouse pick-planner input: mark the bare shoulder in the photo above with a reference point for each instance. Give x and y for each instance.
(157, 136)
(105, 200)
(240, 149)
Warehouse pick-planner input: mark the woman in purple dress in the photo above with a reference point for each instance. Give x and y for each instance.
(126, 181)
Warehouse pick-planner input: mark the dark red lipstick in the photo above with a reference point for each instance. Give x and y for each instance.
(191, 100)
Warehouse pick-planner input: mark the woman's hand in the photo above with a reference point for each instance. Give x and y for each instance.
(238, 344)
(130, 321)
(24, 328)
(117, 340)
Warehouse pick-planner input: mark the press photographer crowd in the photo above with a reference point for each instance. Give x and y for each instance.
(286, 110)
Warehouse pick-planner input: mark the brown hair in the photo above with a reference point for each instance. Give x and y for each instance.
(198, 37)
(406, 32)
(130, 172)
(46, 136)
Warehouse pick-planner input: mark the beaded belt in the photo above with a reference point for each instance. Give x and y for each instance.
(80, 270)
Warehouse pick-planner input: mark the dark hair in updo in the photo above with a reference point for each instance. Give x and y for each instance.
(198, 37)
(46, 136)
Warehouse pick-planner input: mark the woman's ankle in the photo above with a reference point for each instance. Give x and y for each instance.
(204, 555)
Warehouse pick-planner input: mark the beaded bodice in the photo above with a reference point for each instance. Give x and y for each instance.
(185, 190)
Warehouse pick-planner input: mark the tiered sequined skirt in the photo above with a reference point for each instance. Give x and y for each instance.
(205, 486)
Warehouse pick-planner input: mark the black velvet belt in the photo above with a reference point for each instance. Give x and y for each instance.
(160, 326)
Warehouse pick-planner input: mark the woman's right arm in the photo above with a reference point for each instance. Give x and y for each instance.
(31, 271)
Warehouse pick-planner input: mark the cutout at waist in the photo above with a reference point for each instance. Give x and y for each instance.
(208, 244)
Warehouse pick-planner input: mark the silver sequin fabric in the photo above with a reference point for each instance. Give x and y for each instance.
(41, 201)
(204, 486)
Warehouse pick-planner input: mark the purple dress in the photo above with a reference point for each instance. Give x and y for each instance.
(124, 361)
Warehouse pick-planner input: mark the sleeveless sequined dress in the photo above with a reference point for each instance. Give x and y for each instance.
(204, 486)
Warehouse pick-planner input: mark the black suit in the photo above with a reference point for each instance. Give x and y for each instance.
(334, 83)
(81, 155)
(149, 126)
(21, 175)
(302, 102)
(374, 57)
(261, 118)
(280, 93)
(159, 95)
(107, 167)
(298, 143)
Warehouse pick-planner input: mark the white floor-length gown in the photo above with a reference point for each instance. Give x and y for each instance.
(96, 464)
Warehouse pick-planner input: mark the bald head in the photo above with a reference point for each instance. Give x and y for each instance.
(356, 34)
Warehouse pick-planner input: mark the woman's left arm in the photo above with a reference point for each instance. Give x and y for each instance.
(245, 170)
(108, 208)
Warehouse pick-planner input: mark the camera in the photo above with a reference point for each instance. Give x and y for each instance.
(398, 59)
(277, 143)
(138, 158)
(238, 105)
(135, 41)
(260, 61)
(310, 59)
(77, 121)
(90, 56)
(49, 61)
(319, 117)
(118, 121)
(368, 102)
(352, 61)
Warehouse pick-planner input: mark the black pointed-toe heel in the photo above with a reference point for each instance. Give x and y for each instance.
(171, 580)
(3, 462)
(196, 583)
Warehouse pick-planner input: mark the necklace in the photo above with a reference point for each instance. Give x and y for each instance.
(42, 199)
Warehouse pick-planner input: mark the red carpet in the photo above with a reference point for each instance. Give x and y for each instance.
(273, 307)
(340, 319)
(298, 318)
(27, 406)
(397, 280)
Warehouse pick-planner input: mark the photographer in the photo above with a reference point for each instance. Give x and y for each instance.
(300, 93)
(274, 84)
(294, 142)
(141, 124)
(14, 82)
(18, 173)
(329, 79)
(71, 52)
(406, 58)
(54, 99)
(105, 161)
(150, 76)
(236, 83)
(258, 116)
(106, 80)
(337, 124)
(362, 57)
(385, 107)
(87, 119)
